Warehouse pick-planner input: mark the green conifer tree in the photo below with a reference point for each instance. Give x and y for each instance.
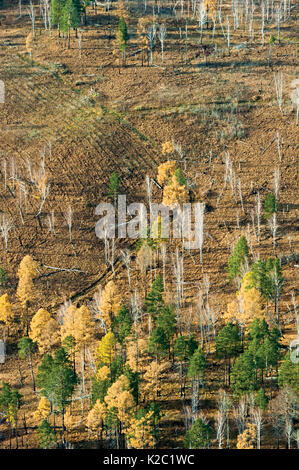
(199, 436)
(238, 258)
(228, 345)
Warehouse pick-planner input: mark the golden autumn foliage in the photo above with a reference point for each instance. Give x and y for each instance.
(249, 304)
(26, 273)
(79, 323)
(103, 373)
(113, 393)
(210, 7)
(43, 410)
(136, 354)
(119, 397)
(125, 404)
(174, 193)
(167, 148)
(44, 330)
(139, 432)
(96, 417)
(153, 379)
(110, 303)
(105, 352)
(166, 171)
(247, 439)
(6, 309)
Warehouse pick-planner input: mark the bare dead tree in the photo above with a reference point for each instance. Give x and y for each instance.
(62, 311)
(31, 13)
(20, 9)
(258, 420)
(240, 414)
(296, 311)
(220, 427)
(273, 227)
(5, 226)
(228, 34)
(278, 82)
(68, 215)
(151, 37)
(95, 308)
(240, 194)
(258, 215)
(224, 406)
(13, 172)
(263, 24)
(4, 169)
(51, 222)
(202, 18)
(126, 257)
(178, 270)
(295, 98)
(163, 254)
(162, 33)
(276, 182)
(288, 430)
(80, 45)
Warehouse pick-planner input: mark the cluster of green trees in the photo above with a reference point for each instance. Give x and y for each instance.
(255, 359)
(67, 14)
(262, 353)
(57, 379)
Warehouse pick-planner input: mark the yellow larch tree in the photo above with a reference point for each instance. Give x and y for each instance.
(96, 418)
(249, 304)
(167, 147)
(120, 397)
(136, 353)
(26, 292)
(44, 330)
(125, 406)
(153, 378)
(78, 322)
(175, 193)
(43, 410)
(210, 7)
(102, 373)
(247, 439)
(166, 171)
(110, 303)
(140, 432)
(6, 310)
(113, 393)
(105, 351)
